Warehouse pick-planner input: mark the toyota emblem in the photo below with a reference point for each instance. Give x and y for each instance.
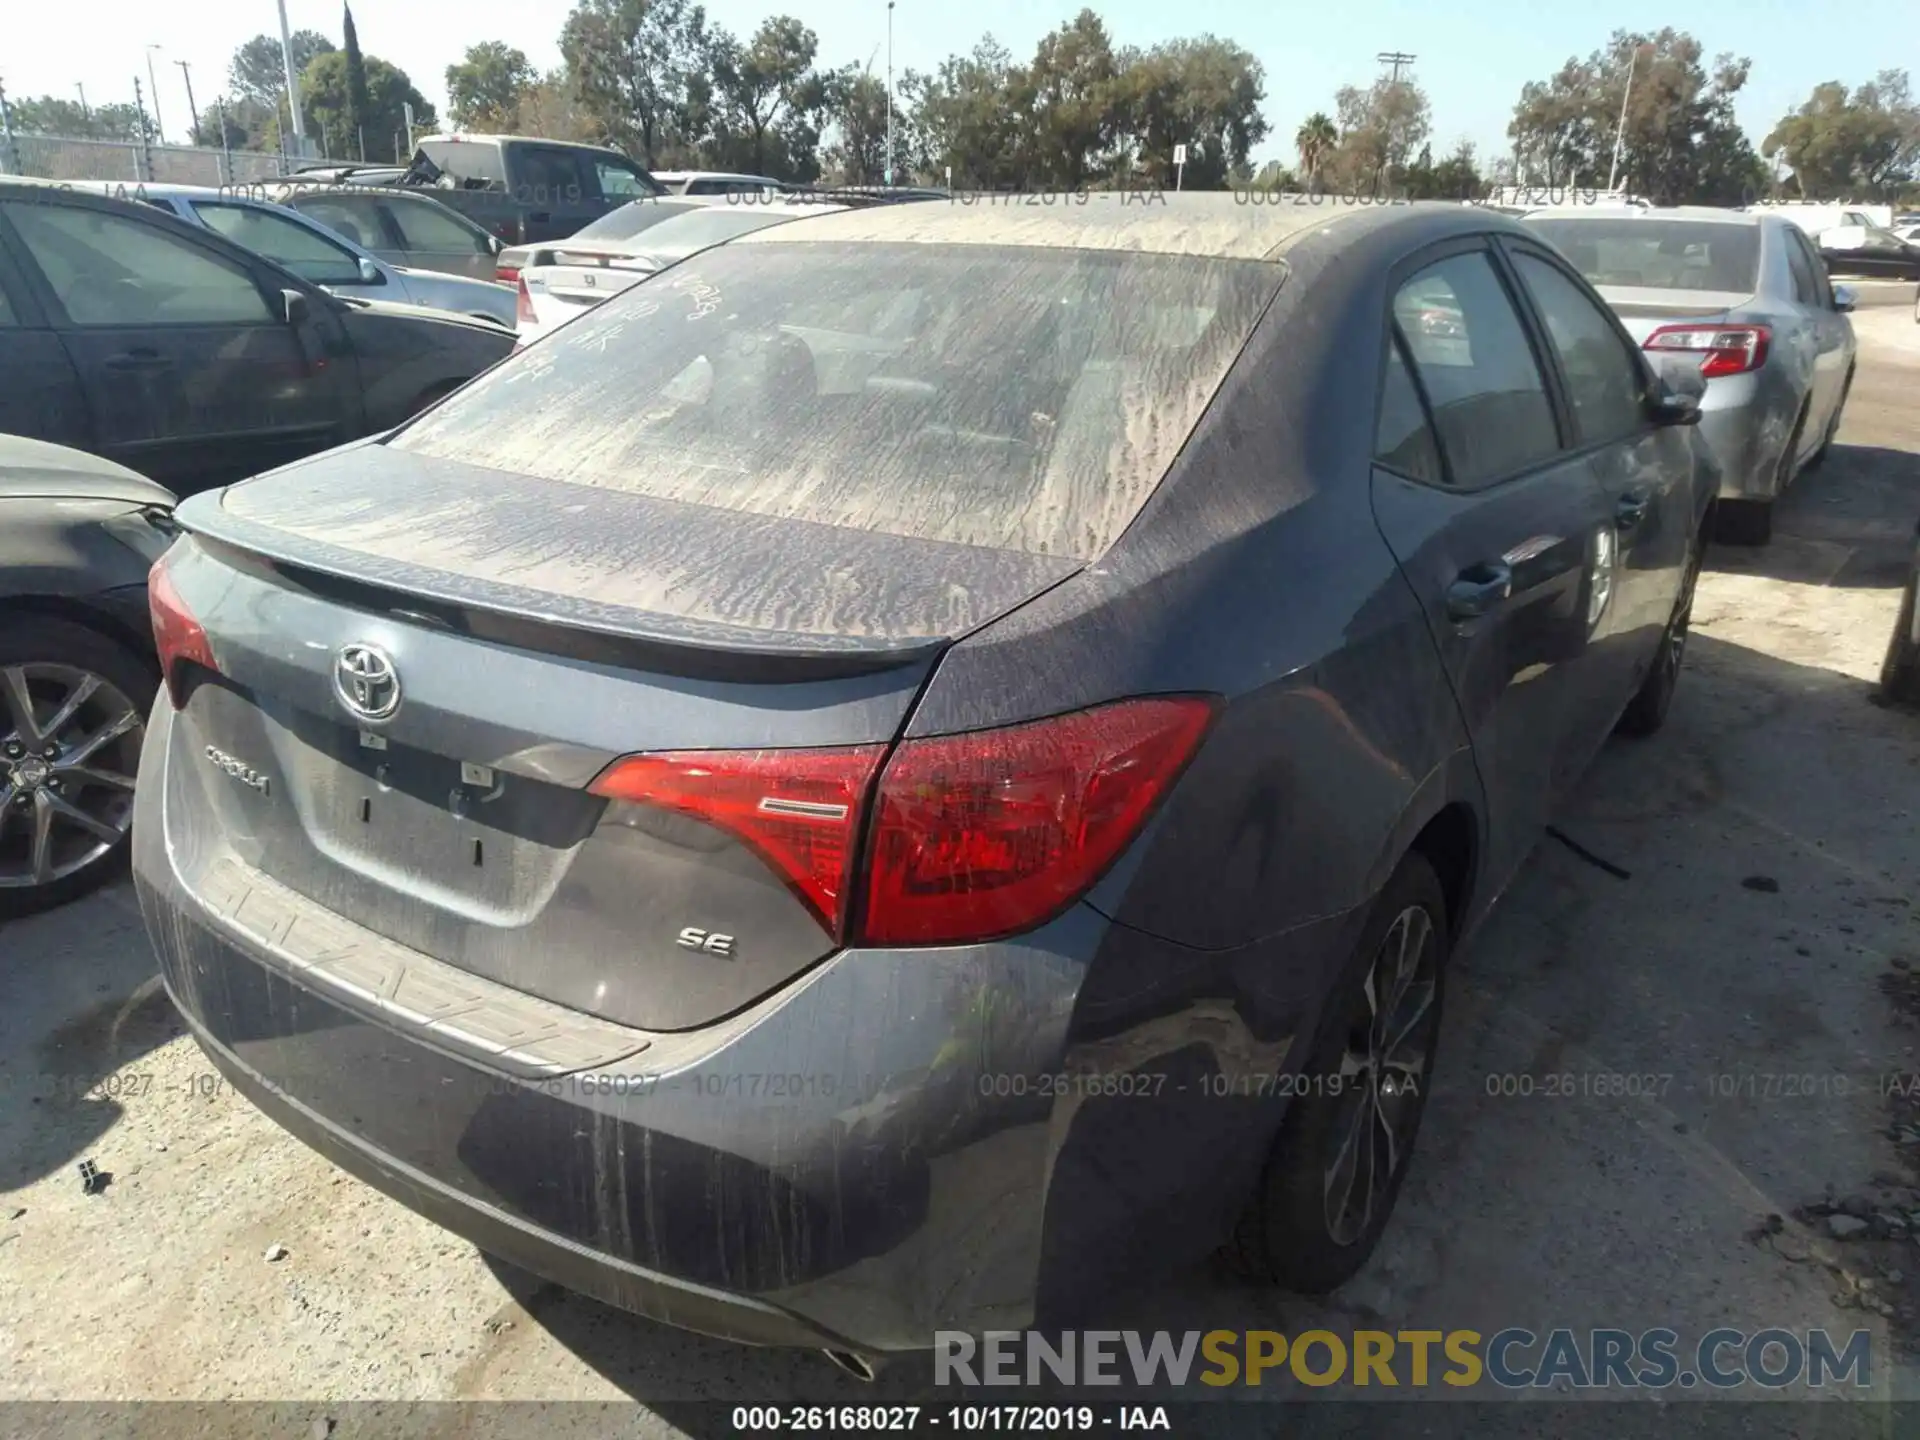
(366, 682)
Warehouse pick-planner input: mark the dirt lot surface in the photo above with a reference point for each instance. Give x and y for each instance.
(1760, 952)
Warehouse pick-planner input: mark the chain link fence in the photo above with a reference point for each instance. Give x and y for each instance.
(55, 157)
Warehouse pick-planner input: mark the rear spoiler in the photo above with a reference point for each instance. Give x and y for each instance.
(562, 254)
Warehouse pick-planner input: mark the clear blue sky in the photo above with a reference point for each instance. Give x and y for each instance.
(1473, 54)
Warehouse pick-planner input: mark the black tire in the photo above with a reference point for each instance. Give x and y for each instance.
(1743, 522)
(1286, 1237)
(1819, 456)
(35, 640)
(1647, 711)
(1900, 673)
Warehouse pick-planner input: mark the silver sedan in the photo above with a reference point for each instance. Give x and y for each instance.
(317, 254)
(1747, 296)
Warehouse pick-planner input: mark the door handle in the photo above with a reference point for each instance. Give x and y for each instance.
(137, 360)
(1631, 510)
(1479, 589)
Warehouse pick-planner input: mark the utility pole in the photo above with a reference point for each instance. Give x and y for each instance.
(293, 82)
(889, 92)
(143, 158)
(193, 110)
(226, 152)
(1620, 130)
(153, 87)
(1398, 59)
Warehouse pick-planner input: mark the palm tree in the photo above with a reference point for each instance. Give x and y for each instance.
(1315, 140)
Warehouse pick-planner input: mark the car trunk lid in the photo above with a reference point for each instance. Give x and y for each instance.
(1644, 311)
(537, 631)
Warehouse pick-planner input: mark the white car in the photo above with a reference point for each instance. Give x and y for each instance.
(566, 277)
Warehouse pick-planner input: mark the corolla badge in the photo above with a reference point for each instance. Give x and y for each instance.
(238, 769)
(366, 682)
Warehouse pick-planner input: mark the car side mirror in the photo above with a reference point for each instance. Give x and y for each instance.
(1844, 297)
(370, 273)
(495, 244)
(294, 305)
(1677, 390)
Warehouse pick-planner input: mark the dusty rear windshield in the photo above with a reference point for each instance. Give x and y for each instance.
(1657, 255)
(633, 217)
(1019, 398)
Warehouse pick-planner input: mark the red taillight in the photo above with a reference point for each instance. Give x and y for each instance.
(176, 634)
(507, 274)
(800, 809)
(523, 307)
(990, 833)
(1724, 349)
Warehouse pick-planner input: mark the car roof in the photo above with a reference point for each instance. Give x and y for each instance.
(463, 137)
(1693, 214)
(1198, 223)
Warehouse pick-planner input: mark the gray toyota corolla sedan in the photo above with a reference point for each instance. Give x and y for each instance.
(915, 765)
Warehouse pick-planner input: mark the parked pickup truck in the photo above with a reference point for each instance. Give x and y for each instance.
(522, 189)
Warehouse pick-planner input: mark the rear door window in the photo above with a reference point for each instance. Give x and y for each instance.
(424, 225)
(1471, 351)
(1016, 398)
(1805, 291)
(1403, 438)
(356, 217)
(283, 240)
(621, 182)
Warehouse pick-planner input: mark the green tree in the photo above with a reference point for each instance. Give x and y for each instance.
(1381, 128)
(1072, 104)
(962, 118)
(1315, 140)
(358, 106)
(1680, 141)
(485, 89)
(857, 119)
(768, 103)
(256, 72)
(1840, 144)
(638, 68)
(1455, 178)
(51, 115)
(325, 96)
(1201, 92)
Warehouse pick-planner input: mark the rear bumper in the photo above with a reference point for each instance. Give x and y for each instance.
(889, 1146)
(1747, 434)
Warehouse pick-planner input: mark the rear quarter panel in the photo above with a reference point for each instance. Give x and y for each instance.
(1256, 572)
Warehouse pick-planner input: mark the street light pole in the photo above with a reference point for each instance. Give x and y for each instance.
(293, 82)
(193, 110)
(889, 92)
(85, 113)
(1620, 130)
(153, 92)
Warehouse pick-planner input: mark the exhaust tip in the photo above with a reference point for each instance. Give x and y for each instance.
(855, 1365)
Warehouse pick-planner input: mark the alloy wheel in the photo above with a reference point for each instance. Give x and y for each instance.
(1389, 1047)
(69, 751)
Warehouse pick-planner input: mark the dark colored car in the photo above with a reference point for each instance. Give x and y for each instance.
(1900, 673)
(919, 766)
(181, 355)
(77, 674)
(524, 189)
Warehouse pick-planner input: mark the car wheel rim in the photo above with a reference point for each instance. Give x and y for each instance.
(1389, 1044)
(69, 750)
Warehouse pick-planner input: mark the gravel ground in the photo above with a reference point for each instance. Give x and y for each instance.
(1759, 937)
